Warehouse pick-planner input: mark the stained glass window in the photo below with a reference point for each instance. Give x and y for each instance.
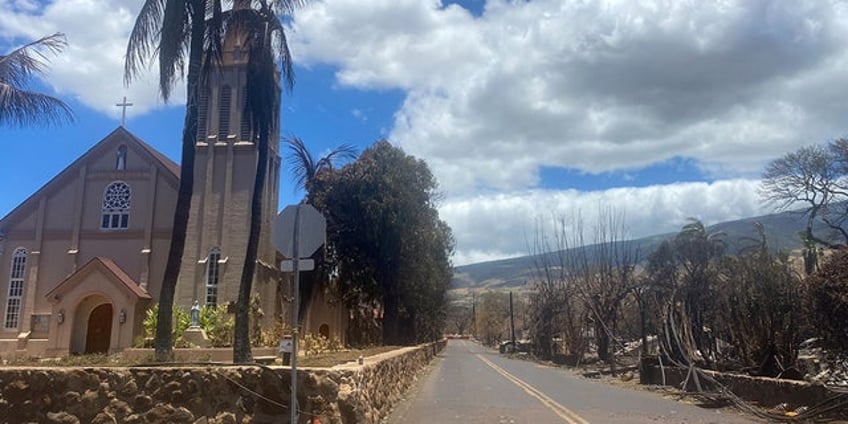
(116, 207)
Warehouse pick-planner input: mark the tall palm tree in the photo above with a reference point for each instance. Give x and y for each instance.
(266, 46)
(305, 169)
(21, 107)
(174, 31)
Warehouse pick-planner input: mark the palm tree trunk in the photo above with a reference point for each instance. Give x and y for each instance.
(163, 343)
(241, 341)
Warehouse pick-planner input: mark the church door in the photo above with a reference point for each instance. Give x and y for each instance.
(99, 332)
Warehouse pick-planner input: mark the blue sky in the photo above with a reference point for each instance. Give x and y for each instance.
(525, 111)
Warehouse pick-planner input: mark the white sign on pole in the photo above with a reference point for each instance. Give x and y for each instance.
(299, 230)
(286, 345)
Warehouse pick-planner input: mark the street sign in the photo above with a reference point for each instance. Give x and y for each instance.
(286, 345)
(299, 230)
(287, 265)
(312, 231)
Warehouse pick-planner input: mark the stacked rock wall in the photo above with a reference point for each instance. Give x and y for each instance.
(767, 392)
(210, 394)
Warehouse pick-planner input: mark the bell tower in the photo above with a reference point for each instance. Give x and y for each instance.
(224, 171)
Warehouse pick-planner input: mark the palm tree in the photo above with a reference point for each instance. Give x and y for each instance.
(697, 251)
(305, 169)
(265, 43)
(175, 32)
(21, 107)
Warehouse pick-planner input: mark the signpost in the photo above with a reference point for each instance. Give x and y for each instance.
(299, 230)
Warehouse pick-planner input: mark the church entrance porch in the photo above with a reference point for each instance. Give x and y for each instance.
(99, 331)
(99, 306)
(91, 330)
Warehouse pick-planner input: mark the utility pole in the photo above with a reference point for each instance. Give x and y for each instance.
(473, 315)
(511, 321)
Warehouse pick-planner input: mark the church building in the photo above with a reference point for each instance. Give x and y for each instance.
(82, 259)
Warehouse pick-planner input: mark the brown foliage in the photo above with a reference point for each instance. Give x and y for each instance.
(828, 290)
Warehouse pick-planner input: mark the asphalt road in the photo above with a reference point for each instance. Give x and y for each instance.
(472, 384)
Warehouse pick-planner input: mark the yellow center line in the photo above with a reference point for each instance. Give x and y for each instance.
(566, 414)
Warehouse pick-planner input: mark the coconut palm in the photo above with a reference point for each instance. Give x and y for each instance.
(305, 169)
(266, 47)
(21, 107)
(174, 31)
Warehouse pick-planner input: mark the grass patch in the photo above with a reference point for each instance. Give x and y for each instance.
(329, 359)
(319, 360)
(91, 360)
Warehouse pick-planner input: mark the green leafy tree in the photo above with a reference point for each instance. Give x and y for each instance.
(386, 241)
(22, 107)
(493, 317)
(218, 325)
(180, 319)
(459, 318)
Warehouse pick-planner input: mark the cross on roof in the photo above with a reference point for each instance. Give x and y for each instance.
(123, 106)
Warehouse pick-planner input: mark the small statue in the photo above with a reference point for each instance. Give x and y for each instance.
(195, 314)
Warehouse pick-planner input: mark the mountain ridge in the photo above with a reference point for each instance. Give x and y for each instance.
(782, 231)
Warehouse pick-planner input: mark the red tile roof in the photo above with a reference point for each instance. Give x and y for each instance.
(111, 269)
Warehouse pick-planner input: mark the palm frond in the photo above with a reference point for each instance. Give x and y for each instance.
(213, 38)
(19, 65)
(287, 7)
(303, 165)
(329, 161)
(22, 107)
(143, 38)
(173, 39)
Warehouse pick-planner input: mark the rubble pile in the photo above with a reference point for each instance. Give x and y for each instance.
(824, 367)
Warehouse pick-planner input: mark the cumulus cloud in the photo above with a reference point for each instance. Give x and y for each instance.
(497, 226)
(91, 68)
(491, 99)
(595, 85)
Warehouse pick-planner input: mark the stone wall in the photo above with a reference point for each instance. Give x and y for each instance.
(765, 391)
(211, 394)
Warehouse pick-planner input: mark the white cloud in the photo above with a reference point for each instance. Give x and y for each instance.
(91, 68)
(489, 227)
(592, 85)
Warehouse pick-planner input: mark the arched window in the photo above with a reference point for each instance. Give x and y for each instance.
(16, 289)
(212, 274)
(121, 163)
(202, 114)
(224, 113)
(324, 331)
(245, 118)
(116, 207)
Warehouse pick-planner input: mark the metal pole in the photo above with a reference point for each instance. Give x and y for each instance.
(295, 306)
(511, 321)
(473, 315)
